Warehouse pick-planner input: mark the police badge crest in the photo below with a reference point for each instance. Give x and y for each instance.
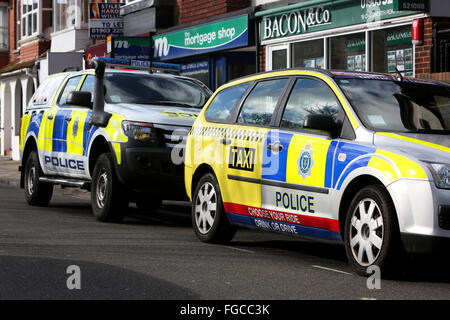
(305, 161)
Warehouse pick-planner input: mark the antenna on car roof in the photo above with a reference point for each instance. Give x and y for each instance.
(399, 74)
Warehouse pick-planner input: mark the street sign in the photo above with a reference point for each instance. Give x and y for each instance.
(411, 5)
(105, 20)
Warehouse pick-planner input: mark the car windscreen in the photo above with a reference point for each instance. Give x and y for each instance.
(399, 106)
(153, 89)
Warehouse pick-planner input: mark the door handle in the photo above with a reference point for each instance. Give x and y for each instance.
(68, 118)
(226, 141)
(50, 117)
(275, 147)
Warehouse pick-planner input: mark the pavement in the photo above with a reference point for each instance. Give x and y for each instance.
(9, 171)
(10, 175)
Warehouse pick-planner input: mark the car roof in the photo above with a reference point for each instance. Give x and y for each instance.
(332, 74)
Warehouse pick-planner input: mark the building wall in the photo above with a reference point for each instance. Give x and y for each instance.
(193, 10)
(424, 52)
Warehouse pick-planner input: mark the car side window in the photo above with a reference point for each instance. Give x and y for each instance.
(88, 85)
(222, 107)
(259, 106)
(71, 85)
(46, 91)
(308, 96)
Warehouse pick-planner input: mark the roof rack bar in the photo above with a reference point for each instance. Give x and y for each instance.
(139, 64)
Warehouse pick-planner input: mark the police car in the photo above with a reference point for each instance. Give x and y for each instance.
(358, 158)
(118, 133)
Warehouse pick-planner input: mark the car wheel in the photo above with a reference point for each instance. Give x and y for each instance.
(109, 198)
(147, 203)
(371, 231)
(209, 219)
(36, 193)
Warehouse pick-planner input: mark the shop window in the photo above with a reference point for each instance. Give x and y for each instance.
(259, 106)
(197, 69)
(308, 97)
(348, 52)
(393, 50)
(222, 107)
(4, 27)
(308, 54)
(29, 17)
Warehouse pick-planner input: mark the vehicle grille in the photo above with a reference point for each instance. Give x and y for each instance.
(172, 136)
(444, 217)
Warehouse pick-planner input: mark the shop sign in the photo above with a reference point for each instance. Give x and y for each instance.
(328, 16)
(411, 5)
(95, 51)
(135, 48)
(105, 20)
(398, 37)
(195, 66)
(356, 44)
(221, 35)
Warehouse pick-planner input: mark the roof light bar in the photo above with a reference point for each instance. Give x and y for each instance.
(139, 64)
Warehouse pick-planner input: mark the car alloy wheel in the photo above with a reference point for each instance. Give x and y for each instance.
(205, 207)
(367, 232)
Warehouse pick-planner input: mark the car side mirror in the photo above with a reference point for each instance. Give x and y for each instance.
(321, 122)
(79, 98)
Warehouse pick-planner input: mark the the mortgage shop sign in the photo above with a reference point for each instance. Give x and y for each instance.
(313, 16)
(105, 20)
(220, 35)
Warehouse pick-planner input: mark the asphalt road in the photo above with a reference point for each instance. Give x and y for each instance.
(159, 257)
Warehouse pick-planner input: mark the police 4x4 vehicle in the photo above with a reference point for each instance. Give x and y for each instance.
(115, 132)
(359, 158)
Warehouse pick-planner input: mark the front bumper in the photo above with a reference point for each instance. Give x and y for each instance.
(422, 244)
(423, 213)
(147, 169)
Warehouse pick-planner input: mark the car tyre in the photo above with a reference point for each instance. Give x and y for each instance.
(371, 234)
(36, 193)
(209, 219)
(109, 198)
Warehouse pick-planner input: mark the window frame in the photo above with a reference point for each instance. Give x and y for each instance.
(82, 9)
(342, 116)
(281, 100)
(29, 15)
(236, 106)
(5, 28)
(63, 87)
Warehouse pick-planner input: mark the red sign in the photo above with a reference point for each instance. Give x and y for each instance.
(94, 51)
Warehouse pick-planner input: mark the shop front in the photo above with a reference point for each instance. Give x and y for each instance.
(363, 35)
(213, 52)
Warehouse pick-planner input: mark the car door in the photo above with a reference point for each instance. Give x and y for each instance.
(62, 161)
(296, 191)
(78, 131)
(244, 150)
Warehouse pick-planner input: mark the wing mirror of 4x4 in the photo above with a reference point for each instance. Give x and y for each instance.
(321, 122)
(79, 98)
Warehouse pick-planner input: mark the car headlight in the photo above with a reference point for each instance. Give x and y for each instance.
(141, 131)
(441, 174)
